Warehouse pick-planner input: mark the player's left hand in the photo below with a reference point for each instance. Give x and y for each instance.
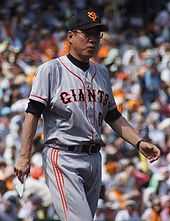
(149, 150)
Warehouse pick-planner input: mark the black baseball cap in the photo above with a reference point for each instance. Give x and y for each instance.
(86, 19)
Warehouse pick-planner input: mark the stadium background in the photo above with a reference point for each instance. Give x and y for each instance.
(136, 51)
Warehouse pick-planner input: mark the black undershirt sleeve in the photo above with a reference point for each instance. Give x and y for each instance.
(112, 115)
(35, 107)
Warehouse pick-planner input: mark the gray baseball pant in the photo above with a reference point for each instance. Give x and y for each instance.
(74, 180)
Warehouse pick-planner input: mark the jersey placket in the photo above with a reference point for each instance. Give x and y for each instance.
(90, 104)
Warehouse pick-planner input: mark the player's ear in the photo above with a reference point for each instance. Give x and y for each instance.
(70, 36)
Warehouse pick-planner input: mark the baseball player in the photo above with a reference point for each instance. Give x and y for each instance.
(74, 96)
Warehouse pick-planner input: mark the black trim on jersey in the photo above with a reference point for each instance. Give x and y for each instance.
(112, 115)
(82, 65)
(35, 107)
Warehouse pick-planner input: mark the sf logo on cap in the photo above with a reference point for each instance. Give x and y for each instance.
(92, 15)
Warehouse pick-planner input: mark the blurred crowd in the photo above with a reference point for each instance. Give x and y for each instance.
(136, 51)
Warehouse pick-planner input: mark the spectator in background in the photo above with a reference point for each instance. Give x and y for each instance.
(153, 213)
(165, 214)
(150, 84)
(130, 213)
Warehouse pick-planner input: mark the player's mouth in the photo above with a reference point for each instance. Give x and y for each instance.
(91, 48)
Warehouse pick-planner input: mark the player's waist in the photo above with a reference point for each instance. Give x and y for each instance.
(85, 147)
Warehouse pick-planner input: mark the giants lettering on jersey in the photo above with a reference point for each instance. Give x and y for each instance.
(92, 95)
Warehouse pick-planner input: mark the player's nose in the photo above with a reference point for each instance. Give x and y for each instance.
(93, 40)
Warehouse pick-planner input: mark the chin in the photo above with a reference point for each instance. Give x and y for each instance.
(89, 54)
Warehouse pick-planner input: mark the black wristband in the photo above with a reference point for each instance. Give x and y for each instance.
(138, 143)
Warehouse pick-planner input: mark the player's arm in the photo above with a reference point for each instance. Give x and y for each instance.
(32, 115)
(38, 100)
(125, 130)
(129, 134)
(122, 127)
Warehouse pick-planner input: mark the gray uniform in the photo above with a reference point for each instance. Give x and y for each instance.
(76, 103)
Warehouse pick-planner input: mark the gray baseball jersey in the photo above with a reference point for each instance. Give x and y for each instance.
(76, 103)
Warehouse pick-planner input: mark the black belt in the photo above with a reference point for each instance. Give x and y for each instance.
(84, 148)
(88, 148)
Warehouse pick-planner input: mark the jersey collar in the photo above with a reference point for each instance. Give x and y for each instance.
(82, 65)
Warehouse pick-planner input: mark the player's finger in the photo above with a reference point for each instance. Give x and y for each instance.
(16, 171)
(154, 158)
(19, 174)
(27, 171)
(21, 177)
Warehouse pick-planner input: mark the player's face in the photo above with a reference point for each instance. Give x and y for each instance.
(84, 44)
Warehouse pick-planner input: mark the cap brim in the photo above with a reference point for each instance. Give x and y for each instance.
(98, 26)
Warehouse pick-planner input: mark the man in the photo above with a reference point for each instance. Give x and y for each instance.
(153, 213)
(74, 96)
(130, 213)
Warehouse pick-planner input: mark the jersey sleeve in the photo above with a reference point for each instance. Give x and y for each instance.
(41, 85)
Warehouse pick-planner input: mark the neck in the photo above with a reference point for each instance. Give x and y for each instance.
(81, 64)
(79, 57)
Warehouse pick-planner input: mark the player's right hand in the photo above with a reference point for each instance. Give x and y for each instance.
(22, 168)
